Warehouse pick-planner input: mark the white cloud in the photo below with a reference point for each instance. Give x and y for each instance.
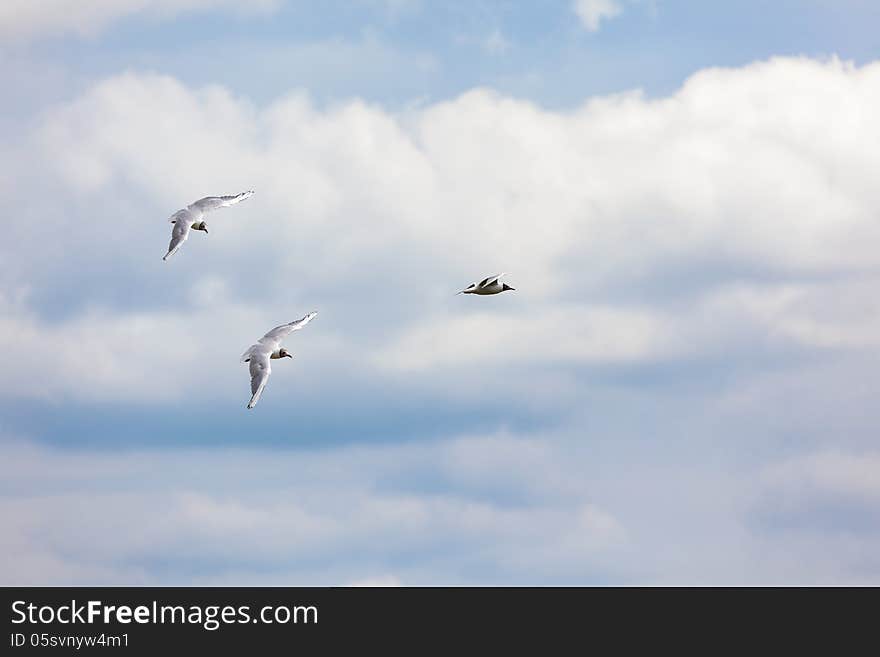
(592, 12)
(822, 502)
(695, 278)
(109, 356)
(298, 515)
(547, 508)
(730, 199)
(831, 474)
(21, 20)
(574, 334)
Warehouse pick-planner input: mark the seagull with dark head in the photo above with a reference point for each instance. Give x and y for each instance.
(488, 285)
(192, 217)
(266, 349)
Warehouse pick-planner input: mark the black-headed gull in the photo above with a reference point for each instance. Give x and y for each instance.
(267, 348)
(192, 217)
(488, 285)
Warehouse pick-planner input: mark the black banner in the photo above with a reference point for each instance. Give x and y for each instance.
(150, 620)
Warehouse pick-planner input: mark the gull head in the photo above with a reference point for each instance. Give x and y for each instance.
(201, 226)
(283, 353)
(506, 287)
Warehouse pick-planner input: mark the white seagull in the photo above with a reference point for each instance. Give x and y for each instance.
(192, 217)
(488, 285)
(269, 347)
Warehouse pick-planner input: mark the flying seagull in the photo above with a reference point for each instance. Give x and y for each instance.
(488, 285)
(192, 217)
(267, 348)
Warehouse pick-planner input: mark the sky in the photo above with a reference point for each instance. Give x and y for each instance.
(681, 390)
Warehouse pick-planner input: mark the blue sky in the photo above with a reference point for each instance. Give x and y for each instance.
(681, 390)
(411, 51)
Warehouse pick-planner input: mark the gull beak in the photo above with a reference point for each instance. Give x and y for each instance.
(289, 356)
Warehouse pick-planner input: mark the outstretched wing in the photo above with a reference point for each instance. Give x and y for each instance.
(277, 334)
(178, 236)
(490, 280)
(270, 342)
(260, 370)
(213, 202)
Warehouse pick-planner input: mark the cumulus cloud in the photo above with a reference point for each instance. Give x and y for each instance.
(106, 356)
(592, 12)
(695, 283)
(302, 512)
(533, 509)
(579, 335)
(736, 214)
(22, 20)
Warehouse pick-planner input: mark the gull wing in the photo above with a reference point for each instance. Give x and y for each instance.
(178, 236)
(260, 369)
(277, 334)
(490, 280)
(209, 203)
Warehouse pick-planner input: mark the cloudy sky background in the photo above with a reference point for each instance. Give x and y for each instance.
(681, 390)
